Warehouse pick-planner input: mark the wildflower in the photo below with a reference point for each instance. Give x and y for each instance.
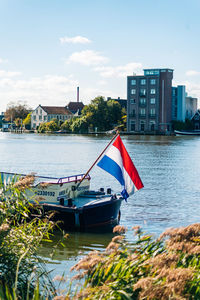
(119, 229)
(61, 297)
(4, 227)
(44, 184)
(117, 238)
(137, 229)
(59, 278)
(66, 236)
(113, 246)
(24, 182)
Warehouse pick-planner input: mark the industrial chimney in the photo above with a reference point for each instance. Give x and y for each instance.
(77, 93)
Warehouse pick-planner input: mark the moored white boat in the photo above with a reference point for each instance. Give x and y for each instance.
(187, 132)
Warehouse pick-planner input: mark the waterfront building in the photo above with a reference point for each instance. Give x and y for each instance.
(179, 103)
(196, 120)
(122, 102)
(191, 106)
(149, 101)
(43, 114)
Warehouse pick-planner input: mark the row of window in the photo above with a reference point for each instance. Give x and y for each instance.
(143, 81)
(143, 91)
(143, 101)
(142, 112)
(37, 111)
(44, 118)
(142, 126)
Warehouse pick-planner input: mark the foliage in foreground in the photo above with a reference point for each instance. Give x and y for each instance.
(145, 269)
(22, 272)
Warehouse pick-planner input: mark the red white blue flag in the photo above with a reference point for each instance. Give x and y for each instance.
(118, 163)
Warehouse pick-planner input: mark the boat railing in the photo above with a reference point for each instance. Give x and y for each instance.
(72, 178)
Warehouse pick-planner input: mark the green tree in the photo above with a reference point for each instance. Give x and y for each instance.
(67, 125)
(27, 121)
(104, 115)
(42, 128)
(80, 125)
(18, 122)
(52, 126)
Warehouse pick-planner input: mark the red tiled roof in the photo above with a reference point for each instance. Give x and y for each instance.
(56, 110)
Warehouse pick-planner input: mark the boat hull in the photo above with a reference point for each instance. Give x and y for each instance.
(191, 132)
(99, 216)
(75, 206)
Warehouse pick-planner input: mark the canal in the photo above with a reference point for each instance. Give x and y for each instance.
(169, 167)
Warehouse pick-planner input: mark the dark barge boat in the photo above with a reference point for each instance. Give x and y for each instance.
(74, 204)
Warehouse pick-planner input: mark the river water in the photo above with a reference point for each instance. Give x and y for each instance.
(169, 167)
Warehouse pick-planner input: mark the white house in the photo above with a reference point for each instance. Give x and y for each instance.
(43, 114)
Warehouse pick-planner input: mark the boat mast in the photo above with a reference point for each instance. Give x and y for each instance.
(114, 137)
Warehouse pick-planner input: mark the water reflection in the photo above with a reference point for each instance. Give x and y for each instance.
(75, 244)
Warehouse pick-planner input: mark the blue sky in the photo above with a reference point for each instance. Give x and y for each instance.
(48, 48)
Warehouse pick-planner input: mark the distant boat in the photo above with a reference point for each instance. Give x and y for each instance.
(187, 132)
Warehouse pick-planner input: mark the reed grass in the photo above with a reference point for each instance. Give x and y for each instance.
(152, 269)
(22, 273)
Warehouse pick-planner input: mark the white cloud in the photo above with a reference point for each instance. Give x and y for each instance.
(192, 73)
(7, 74)
(75, 40)
(47, 90)
(119, 71)
(87, 58)
(3, 60)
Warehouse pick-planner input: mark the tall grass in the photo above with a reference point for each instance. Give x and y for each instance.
(165, 268)
(22, 273)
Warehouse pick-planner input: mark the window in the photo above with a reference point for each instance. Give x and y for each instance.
(142, 126)
(153, 100)
(152, 91)
(133, 82)
(133, 113)
(152, 111)
(36, 111)
(133, 101)
(143, 81)
(34, 118)
(143, 101)
(142, 92)
(40, 117)
(132, 126)
(133, 91)
(34, 125)
(142, 111)
(152, 81)
(49, 118)
(40, 111)
(45, 118)
(152, 126)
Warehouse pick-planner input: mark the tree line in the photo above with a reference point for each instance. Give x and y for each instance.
(99, 115)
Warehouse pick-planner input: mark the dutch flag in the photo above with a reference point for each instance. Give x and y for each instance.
(118, 163)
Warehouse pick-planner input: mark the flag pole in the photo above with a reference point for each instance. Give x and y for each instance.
(114, 137)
